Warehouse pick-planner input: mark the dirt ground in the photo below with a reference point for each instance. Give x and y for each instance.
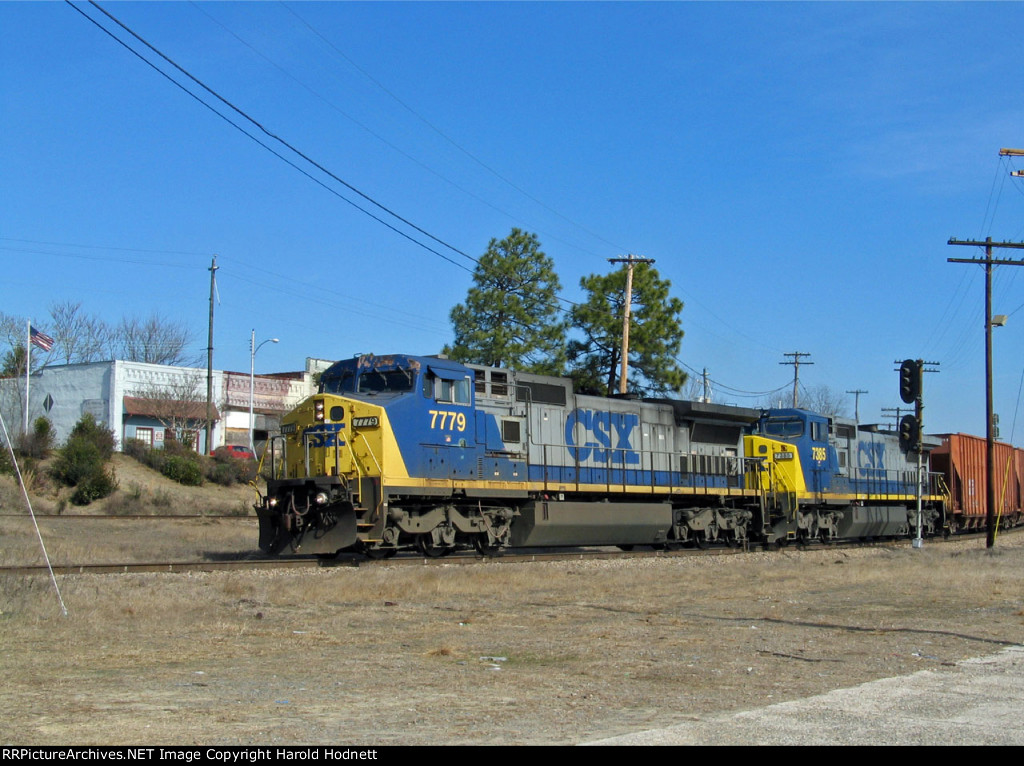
(489, 653)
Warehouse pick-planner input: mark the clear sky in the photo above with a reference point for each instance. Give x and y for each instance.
(795, 169)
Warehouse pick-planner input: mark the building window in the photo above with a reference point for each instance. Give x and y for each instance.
(144, 435)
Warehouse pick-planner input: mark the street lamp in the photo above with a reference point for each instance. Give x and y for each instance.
(253, 348)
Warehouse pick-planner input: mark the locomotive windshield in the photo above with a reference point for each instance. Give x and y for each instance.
(393, 381)
(386, 381)
(784, 428)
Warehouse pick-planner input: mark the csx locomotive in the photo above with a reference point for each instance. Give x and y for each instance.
(422, 452)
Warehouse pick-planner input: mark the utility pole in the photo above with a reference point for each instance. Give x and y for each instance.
(707, 386)
(856, 402)
(796, 371)
(209, 362)
(629, 260)
(899, 414)
(988, 262)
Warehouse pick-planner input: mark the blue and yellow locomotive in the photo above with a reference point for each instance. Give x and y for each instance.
(422, 452)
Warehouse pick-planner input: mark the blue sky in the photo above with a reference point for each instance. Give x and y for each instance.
(795, 169)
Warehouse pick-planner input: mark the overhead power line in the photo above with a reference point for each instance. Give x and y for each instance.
(370, 131)
(275, 137)
(290, 147)
(445, 136)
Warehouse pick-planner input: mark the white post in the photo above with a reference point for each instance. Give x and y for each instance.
(252, 386)
(253, 348)
(28, 366)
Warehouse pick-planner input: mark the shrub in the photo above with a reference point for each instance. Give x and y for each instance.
(136, 449)
(175, 447)
(224, 474)
(226, 469)
(6, 466)
(183, 470)
(79, 459)
(89, 430)
(82, 461)
(38, 443)
(94, 486)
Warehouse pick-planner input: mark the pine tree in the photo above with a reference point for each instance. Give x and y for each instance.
(655, 334)
(511, 317)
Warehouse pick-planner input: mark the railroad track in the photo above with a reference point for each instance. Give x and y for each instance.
(460, 558)
(131, 517)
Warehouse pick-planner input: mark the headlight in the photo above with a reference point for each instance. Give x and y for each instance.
(272, 502)
(318, 409)
(321, 498)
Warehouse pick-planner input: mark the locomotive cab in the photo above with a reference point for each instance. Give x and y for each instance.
(379, 428)
(334, 451)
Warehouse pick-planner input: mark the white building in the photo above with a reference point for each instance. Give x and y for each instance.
(150, 401)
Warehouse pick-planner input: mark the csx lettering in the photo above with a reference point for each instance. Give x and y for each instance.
(447, 421)
(324, 436)
(871, 458)
(598, 428)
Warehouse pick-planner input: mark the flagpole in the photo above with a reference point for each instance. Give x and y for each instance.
(28, 366)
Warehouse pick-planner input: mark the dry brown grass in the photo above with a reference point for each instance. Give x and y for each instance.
(494, 652)
(141, 491)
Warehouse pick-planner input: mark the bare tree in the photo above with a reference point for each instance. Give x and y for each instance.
(77, 336)
(156, 340)
(12, 367)
(179, 404)
(824, 400)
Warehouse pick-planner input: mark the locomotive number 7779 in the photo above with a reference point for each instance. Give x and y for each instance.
(447, 421)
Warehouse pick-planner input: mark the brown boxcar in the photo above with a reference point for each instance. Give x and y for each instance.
(962, 460)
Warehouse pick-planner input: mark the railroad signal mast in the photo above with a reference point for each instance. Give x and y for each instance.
(911, 385)
(911, 427)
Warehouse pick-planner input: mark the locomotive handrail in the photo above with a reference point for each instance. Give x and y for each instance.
(730, 469)
(886, 483)
(305, 450)
(273, 455)
(380, 471)
(355, 460)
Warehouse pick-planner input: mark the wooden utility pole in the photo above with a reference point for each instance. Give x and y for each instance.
(796, 371)
(988, 262)
(629, 260)
(856, 402)
(898, 413)
(209, 362)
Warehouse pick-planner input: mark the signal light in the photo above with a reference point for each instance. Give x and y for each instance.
(910, 380)
(910, 434)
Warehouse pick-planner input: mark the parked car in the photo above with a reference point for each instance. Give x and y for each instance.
(239, 452)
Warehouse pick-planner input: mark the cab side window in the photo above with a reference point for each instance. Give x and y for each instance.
(447, 391)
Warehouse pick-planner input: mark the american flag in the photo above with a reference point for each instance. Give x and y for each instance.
(41, 339)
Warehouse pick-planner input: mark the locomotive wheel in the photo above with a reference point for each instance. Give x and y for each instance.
(378, 554)
(425, 545)
(824, 537)
(484, 548)
(700, 539)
